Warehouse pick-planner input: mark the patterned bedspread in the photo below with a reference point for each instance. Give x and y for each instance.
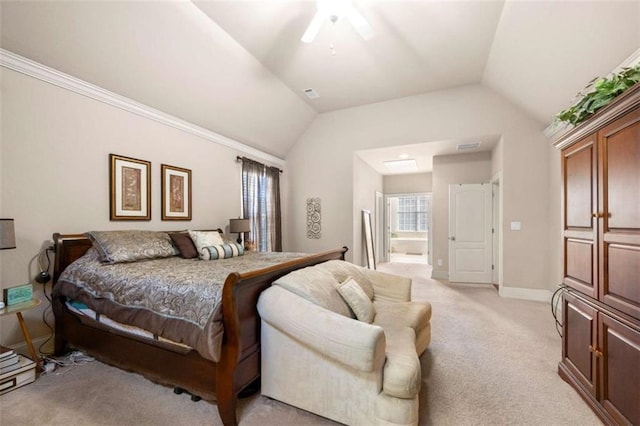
(178, 299)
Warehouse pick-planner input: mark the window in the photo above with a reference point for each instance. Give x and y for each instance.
(412, 213)
(261, 204)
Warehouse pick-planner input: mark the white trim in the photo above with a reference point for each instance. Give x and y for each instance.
(42, 72)
(440, 275)
(497, 179)
(534, 294)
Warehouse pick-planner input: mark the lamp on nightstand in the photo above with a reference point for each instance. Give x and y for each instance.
(7, 234)
(239, 226)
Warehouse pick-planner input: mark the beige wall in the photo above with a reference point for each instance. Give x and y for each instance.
(496, 159)
(555, 218)
(366, 181)
(54, 174)
(408, 184)
(448, 170)
(320, 164)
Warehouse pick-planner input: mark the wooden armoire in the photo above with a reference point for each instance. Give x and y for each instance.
(601, 248)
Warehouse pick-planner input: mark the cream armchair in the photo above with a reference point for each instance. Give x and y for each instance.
(316, 355)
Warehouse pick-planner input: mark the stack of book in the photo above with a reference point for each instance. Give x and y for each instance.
(15, 370)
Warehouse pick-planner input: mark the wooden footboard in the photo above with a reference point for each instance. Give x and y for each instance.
(239, 363)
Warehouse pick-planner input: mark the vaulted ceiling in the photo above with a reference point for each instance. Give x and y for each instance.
(238, 68)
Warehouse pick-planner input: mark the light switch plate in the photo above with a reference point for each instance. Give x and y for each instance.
(516, 226)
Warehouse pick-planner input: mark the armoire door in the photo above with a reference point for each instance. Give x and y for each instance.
(620, 383)
(619, 206)
(579, 197)
(579, 335)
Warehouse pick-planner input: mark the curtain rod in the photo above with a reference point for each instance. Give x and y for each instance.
(239, 160)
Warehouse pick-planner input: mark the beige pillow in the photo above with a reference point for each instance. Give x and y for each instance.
(131, 246)
(202, 239)
(357, 300)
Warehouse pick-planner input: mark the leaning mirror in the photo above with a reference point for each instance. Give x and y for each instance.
(368, 239)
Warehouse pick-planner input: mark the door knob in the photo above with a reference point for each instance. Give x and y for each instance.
(452, 238)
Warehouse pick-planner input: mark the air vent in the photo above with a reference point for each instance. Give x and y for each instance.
(311, 94)
(465, 146)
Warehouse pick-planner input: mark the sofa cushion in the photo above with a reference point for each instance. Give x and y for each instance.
(342, 270)
(317, 286)
(357, 300)
(402, 374)
(403, 314)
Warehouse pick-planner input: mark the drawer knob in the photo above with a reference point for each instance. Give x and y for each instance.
(595, 351)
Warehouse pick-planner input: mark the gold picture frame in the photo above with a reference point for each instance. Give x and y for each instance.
(129, 188)
(176, 193)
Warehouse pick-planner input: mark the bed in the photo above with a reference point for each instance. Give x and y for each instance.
(222, 377)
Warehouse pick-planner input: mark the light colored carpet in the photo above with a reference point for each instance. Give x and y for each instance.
(492, 361)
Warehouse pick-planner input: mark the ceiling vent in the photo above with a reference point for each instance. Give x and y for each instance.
(465, 146)
(311, 94)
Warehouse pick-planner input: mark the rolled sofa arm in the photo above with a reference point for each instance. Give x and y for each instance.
(388, 287)
(346, 340)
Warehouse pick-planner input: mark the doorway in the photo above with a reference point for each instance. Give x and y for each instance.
(408, 233)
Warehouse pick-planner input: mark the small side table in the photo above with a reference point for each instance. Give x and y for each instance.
(18, 309)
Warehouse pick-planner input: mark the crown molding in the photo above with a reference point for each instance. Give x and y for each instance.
(34, 69)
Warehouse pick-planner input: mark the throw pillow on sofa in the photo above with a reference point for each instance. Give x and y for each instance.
(357, 300)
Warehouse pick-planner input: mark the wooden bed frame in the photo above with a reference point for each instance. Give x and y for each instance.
(239, 364)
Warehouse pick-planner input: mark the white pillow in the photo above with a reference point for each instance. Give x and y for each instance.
(202, 239)
(357, 300)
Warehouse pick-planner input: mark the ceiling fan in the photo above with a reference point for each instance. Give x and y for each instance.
(334, 10)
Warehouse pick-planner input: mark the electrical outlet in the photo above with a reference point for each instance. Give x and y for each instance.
(439, 262)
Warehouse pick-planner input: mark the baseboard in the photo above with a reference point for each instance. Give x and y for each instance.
(537, 295)
(439, 275)
(23, 349)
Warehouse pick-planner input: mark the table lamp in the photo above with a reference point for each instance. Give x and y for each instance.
(239, 226)
(7, 234)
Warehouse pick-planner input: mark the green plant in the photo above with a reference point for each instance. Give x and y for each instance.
(598, 93)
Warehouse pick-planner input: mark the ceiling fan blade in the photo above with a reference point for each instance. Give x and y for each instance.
(360, 24)
(313, 28)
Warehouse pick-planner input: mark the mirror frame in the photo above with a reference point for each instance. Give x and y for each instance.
(367, 233)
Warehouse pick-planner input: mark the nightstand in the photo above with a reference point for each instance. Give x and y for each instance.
(18, 309)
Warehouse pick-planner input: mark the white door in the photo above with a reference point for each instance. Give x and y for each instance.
(470, 217)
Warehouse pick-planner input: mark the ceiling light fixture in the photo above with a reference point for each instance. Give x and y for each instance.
(401, 166)
(334, 10)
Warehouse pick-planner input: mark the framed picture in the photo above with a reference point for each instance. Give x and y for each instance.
(130, 188)
(176, 193)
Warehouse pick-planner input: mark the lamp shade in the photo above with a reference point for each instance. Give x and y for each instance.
(239, 225)
(7, 234)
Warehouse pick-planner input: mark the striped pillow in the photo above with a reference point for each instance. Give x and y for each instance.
(221, 251)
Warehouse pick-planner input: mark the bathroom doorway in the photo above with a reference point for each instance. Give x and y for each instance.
(408, 220)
